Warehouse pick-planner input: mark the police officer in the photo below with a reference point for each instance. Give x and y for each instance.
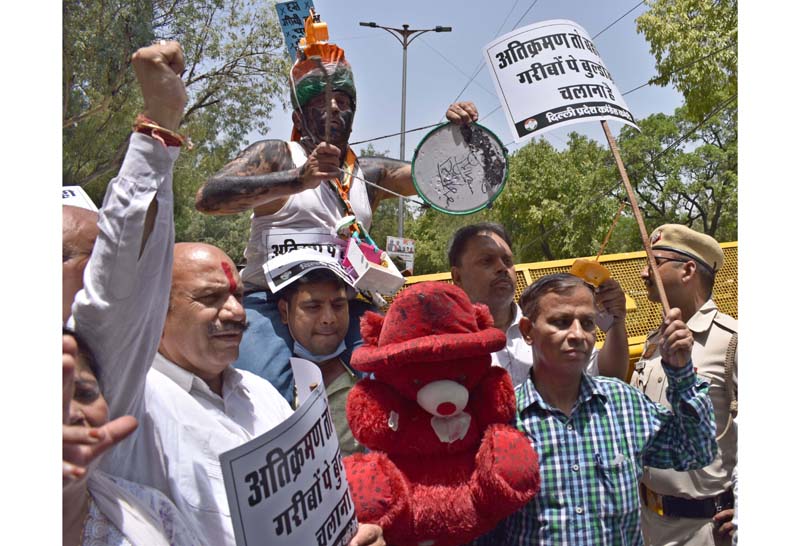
(691, 508)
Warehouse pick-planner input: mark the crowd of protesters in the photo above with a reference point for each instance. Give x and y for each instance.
(172, 356)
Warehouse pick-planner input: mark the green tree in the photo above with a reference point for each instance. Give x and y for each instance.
(99, 91)
(692, 183)
(694, 43)
(559, 204)
(236, 68)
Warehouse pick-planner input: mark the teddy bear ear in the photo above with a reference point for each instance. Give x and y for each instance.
(483, 316)
(371, 326)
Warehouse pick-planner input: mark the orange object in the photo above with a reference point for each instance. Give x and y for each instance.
(590, 271)
(316, 30)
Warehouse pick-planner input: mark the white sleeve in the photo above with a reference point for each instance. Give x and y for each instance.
(121, 310)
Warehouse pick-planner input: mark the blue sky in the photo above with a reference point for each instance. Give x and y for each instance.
(440, 64)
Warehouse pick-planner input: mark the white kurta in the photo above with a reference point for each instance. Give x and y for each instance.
(183, 426)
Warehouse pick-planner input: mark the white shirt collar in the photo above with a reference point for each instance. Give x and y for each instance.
(231, 378)
(517, 317)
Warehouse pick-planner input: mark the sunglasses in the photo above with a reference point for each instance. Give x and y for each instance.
(665, 260)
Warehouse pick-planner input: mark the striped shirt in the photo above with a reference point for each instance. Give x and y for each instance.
(591, 461)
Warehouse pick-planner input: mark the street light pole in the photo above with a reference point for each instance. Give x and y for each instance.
(408, 36)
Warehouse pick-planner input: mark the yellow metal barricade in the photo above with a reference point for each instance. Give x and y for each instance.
(643, 316)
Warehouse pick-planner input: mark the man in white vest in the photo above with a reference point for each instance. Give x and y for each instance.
(299, 191)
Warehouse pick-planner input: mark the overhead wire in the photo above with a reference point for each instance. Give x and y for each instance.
(471, 78)
(454, 65)
(480, 64)
(618, 19)
(533, 4)
(521, 17)
(395, 134)
(649, 82)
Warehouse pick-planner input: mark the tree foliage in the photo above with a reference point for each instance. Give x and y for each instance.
(557, 203)
(560, 204)
(693, 183)
(694, 43)
(236, 69)
(99, 94)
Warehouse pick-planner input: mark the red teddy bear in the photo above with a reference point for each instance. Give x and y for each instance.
(445, 467)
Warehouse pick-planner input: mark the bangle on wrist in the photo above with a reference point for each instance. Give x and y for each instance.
(165, 136)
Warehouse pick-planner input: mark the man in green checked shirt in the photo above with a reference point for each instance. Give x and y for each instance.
(594, 434)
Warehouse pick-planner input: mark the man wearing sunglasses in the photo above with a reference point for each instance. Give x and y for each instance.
(691, 508)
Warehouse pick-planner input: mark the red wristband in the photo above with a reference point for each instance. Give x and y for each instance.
(149, 127)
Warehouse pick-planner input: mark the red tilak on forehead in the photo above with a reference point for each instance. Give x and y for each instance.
(229, 273)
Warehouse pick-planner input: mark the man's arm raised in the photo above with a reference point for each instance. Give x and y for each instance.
(121, 309)
(263, 176)
(395, 175)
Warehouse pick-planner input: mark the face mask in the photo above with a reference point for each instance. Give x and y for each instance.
(302, 352)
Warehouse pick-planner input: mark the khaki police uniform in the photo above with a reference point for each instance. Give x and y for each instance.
(712, 332)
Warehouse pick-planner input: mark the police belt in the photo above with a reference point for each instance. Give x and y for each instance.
(680, 507)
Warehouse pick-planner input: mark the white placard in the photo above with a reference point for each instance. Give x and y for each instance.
(287, 487)
(292, 17)
(404, 262)
(399, 244)
(548, 75)
(277, 241)
(76, 197)
(284, 269)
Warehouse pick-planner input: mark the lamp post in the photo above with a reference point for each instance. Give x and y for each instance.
(405, 36)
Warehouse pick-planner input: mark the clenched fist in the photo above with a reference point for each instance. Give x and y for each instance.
(158, 68)
(676, 340)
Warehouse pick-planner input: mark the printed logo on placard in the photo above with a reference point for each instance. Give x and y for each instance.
(530, 124)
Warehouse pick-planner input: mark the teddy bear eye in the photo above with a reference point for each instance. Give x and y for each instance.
(416, 381)
(462, 378)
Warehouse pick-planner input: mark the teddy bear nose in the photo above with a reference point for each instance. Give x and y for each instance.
(443, 398)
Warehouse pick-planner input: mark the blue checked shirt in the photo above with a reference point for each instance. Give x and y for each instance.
(591, 461)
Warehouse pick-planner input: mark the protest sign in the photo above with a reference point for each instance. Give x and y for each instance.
(549, 75)
(76, 197)
(277, 241)
(284, 269)
(402, 252)
(459, 169)
(399, 244)
(292, 17)
(288, 487)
